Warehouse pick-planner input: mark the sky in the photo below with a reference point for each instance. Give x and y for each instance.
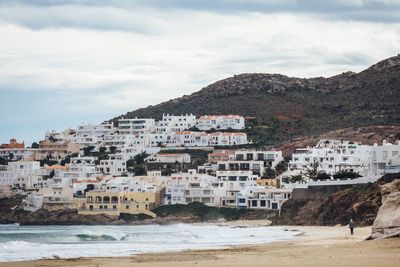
(68, 62)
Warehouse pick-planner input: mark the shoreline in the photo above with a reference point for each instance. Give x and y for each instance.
(313, 246)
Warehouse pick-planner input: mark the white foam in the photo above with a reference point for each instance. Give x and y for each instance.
(35, 242)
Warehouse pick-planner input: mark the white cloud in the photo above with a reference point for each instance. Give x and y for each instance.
(104, 61)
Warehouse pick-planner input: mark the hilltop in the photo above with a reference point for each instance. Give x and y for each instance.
(279, 108)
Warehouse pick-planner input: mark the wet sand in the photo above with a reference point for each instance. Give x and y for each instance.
(317, 246)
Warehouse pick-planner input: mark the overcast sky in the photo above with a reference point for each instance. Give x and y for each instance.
(67, 62)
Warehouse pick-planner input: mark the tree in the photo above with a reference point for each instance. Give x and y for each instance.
(139, 170)
(89, 187)
(323, 176)
(113, 149)
(52, 139)
(312, 171)
(268, 173)
(87, 150)
(296, 178)
(3, 161)
(102, 149)
(345, 174)
(35, 145)
(194, 129)
(10, 156)
(280, 167)
(139, 158)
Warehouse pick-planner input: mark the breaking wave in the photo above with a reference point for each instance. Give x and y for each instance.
(36, 242)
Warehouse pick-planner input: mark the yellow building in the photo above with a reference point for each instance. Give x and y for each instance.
(115, 203)
(269, 182)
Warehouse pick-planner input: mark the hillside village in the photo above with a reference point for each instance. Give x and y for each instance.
(138, 164)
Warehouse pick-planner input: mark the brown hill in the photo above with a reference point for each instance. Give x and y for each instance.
(284, 107)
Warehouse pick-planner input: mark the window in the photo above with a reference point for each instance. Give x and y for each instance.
(127, 207)
(262, 203)
(254, 203)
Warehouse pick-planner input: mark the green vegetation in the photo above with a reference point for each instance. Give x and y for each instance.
(296, 178)
(127, 217)
(268, 173)
(48, 162)
(206, 213)
(137, 165)
(35, 145)
(346, 174)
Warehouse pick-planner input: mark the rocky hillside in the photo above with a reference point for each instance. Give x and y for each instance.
(281, 108)
(360, 202)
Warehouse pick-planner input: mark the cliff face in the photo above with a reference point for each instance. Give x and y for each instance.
(283, 108)
(387, 222)
(360, 202)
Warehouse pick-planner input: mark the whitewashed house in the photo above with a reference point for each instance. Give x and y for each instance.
(256, 197)
(220, 122)
(114, 166)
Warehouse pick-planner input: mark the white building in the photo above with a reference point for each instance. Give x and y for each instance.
(92, 134)
(20, 174)
(270, 157)
(172, 123)
(385, 158)
(221, 122)
(114, 166)
(333, 156)
(169, 158)
(138, 128)
(80, 168)
(17, 154)
(256, 197)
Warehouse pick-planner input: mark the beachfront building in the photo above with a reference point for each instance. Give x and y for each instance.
(220, 122)
(256, 197)
(230, 183)
(187, 187)
(116, 203)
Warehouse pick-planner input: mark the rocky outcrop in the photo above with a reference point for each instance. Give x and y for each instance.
(11, 212)
(360, 202)
(387, 222)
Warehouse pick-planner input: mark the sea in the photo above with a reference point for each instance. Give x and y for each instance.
(19, 243)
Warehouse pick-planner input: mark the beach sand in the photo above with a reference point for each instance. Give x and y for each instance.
(317, 246)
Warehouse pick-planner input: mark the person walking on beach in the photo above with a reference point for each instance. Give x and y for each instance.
(351, 226)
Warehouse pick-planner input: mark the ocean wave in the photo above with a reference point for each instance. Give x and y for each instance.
(87, 237)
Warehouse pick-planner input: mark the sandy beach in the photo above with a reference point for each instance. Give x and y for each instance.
(316, 246)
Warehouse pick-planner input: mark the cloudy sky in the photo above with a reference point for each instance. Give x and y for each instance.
(66, 62)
